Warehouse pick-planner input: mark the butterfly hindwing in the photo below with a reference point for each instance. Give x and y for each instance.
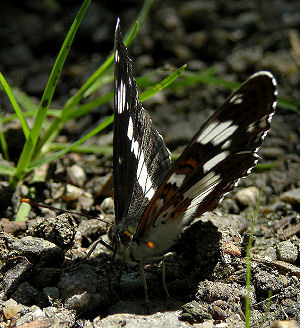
(140, 158)
(223, 151)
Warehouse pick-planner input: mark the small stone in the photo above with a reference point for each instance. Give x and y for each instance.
(107, 205)
(73, 193)
(269, 254)
(77, 175)
(37, 251)
(103, 186)
(59, 230)
(287, 251)
(284, 324)
(11, 308)
(194, 312)
(13, 272)
(292, 196)
(247, 196)
(231, 249)
(83, 289)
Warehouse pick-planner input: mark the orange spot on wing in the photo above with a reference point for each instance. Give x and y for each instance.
(150, 244)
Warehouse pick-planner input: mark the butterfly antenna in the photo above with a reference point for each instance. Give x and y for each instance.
(55, 209)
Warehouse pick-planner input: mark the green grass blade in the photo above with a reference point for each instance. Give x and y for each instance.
(87, 149)
(162, 85)
(50, 112)
(204, 77)
(31, 141)
(248, 259)
(87, 107)
(107, 78)
(264, 167)
(71, 147)
(15, 106)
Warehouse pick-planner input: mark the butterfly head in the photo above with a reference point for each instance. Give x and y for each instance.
(122, 240)
(124, 243)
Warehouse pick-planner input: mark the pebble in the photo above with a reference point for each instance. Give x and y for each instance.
(10, 308)
(59, 230)
(107, 205)
(284, 324)
(269, 254)
(247, 196)
(291, 196)
(83, 289)
(37, 250)
(77, 175)
(287, 251)
(73, 193)
(194, 312)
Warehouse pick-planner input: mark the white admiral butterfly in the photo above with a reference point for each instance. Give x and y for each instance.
(154, 199)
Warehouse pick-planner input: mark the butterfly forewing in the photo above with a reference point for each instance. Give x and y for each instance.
(224, 150)
(141, 159)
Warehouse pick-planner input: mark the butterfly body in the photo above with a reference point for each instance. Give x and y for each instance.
(154, 200)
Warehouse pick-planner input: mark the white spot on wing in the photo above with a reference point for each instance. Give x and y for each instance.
(263, 122)
(251, 127)
(215, 161)
(117, 57)
(204, 188)
(176, 179)
(198, 188)
(217, 132)
(224, 135)
(203, 138)
(130, 129)
(226, 144)
(144, 178)
(121, 97)
(135, 148)
(237, 99)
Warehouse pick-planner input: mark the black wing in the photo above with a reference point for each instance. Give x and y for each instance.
(141, 159)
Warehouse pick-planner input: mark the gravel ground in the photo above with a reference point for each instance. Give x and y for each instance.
(43, 281)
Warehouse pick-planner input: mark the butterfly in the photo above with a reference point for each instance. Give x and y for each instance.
(155, 200)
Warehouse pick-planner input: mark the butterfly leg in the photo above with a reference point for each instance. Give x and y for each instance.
(144, 284)
(113, 293)
(163, 277)
(94, 245)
